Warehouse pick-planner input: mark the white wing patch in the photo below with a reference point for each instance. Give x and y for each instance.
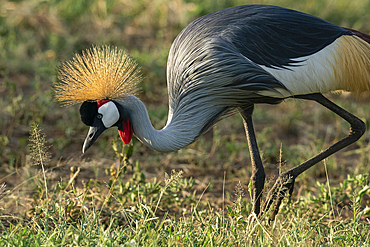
(110, 114)
(313, 74)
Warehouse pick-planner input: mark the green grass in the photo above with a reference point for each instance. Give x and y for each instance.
(130, 211)
(119, 195)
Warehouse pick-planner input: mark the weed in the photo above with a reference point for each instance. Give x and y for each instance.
(40, 156)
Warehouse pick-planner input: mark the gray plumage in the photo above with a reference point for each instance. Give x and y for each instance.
(230, 60)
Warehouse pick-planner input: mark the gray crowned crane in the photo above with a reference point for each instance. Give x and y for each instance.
(220, 64)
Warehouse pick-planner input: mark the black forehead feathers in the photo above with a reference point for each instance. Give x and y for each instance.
(88, 111)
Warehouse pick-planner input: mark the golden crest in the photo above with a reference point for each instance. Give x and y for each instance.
(99, 73)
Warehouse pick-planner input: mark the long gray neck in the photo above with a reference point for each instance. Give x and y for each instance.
(175, 135)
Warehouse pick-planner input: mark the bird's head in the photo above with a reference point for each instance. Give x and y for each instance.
(99, 79)
(102, 115)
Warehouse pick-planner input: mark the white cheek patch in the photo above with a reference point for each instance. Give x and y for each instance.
(110, 114)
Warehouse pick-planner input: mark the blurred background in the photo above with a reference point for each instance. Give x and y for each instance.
(36, 36)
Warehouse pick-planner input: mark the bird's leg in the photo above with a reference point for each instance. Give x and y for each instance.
(258, 172)
(286, 180)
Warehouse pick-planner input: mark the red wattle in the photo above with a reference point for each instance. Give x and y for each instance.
(126, 132)
(101, 102)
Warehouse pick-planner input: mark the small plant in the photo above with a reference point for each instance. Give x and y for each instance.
(38, 146)
(239, 196)
(39, 150)
(350, 192)
(169, 180)
(40, 156)
(129, 186)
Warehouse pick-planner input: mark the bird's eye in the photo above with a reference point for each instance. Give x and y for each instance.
(99, 116)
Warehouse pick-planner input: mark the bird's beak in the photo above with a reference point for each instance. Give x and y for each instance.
(94, 133)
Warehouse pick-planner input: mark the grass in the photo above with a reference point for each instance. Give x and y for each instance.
(136, 212)
(120, 195)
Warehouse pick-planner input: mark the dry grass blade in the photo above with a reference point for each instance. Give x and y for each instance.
(2, 190)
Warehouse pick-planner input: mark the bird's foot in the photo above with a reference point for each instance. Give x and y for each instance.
(284, 183)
